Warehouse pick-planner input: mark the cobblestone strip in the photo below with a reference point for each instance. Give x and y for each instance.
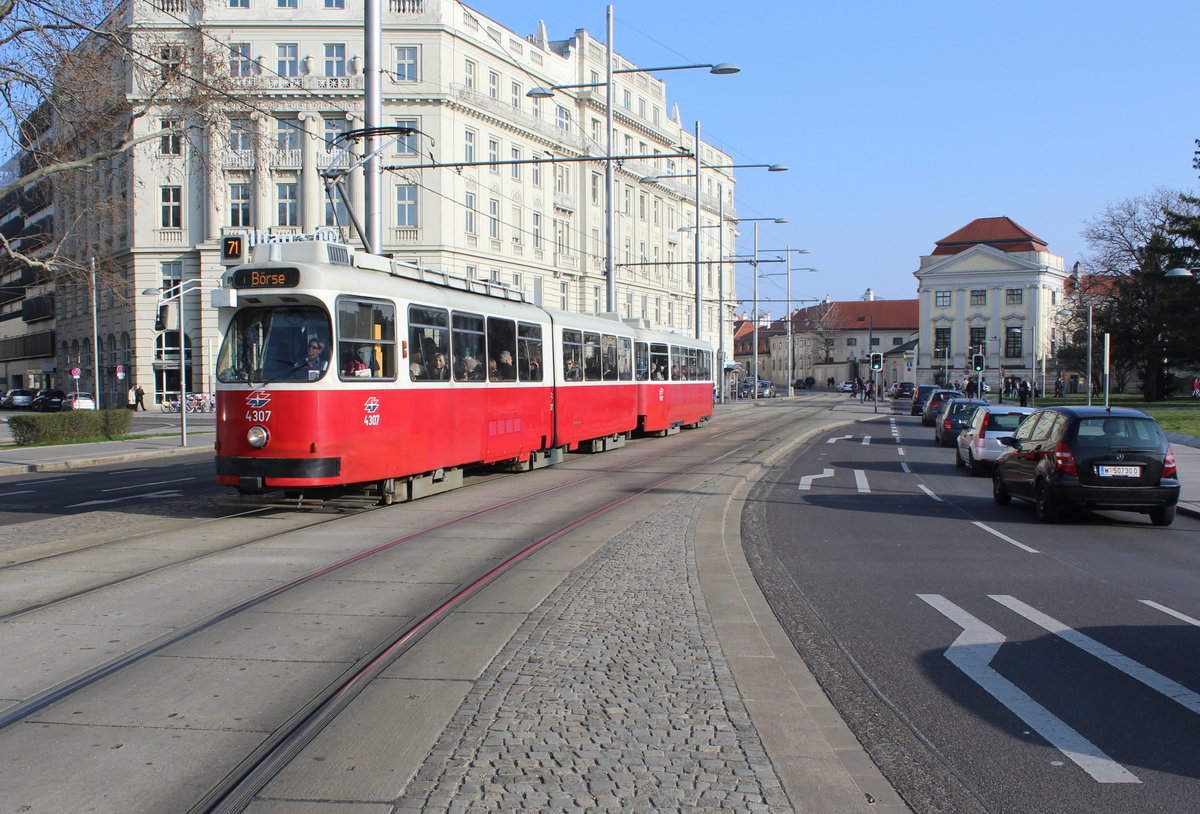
(612, 696)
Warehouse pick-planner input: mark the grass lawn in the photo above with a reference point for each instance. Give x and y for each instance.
(1179, 414)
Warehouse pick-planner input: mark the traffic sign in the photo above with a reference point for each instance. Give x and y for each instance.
(76, 372)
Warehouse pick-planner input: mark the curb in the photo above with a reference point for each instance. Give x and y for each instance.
(97, 460)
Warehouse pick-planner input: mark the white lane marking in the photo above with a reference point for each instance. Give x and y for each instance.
(866, 440)
(904, 466)
(835, 439)
(973, 651)
(22, 492)
(144, 485)
(806, 481)
(1169, 612)
(1005, 537)
(148, 496)
(1155, 681)
(925, 489)
(40, 482)
(860, 480)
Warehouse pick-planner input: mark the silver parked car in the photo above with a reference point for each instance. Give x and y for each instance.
(79, 401)
(979, 442)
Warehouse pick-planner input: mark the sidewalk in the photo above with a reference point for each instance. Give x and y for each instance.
(19, 460)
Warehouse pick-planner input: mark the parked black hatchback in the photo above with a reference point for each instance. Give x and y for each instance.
(1089, 458)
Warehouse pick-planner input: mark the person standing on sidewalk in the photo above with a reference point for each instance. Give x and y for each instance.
(131, 398)
(141, 398)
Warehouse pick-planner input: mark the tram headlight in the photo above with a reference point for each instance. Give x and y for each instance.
(257, 437)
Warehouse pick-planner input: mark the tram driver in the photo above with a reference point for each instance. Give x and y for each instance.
(315, 361)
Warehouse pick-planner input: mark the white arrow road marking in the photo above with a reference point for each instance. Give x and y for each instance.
(835, 439)
(1005, 537)
(147, 496)
(860, 480)
(973, 651)
(1170, 612)
(806, 481)
(1155, 681)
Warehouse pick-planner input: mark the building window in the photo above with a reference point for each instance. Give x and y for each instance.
(851, 341)
(285, 3)
(941, 343)
(407, 145)
(287, 197)
(239, 204)
(406, 63)
(240, 135)
(494, 219)
(468, 145)
(562, 119)
(335, 55)
(1014, 296)
(978, 340)
(535, 174)
(240, 63)
(494, 154)
(941, 299)
(517, 95)
(515, 169)
(1013, 346)
(239, 3)
(335, 4)
(535, 230)
(897, 341)
(469, 75)
(493, 85)
(562, 180)
(334, 128)
(406, 205)
(170, 143)
(978, 296)
(287, 134)
(172, 276)
(875, 341)
(287, 59)
(170, 60)
(469, 222)
(172, 207)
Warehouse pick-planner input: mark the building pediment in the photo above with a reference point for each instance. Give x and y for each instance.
(978, 261)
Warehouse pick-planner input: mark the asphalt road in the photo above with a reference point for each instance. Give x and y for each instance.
(988, 662)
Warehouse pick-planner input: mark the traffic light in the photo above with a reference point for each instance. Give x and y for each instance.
(876, 361)
(977, 361)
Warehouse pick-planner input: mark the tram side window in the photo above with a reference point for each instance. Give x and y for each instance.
(624, 358)
(572, 356)
(367, 332)
(677, 361)
(467, 333)
(529, 352)
(641, 361)
(608, 363)
(591, 356)
(501, 344)
(706, 365)
(428, 344)
(658, 362)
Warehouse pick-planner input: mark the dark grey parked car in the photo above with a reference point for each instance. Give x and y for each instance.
(933, 404)
(1088, 458)
(955, 414)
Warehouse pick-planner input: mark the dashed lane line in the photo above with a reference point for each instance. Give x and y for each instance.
(1004, 537)
(1180, 616)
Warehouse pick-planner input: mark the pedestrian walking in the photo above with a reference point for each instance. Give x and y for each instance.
(1196, 388)
(131, 398)
(1023, 392)
(141, 398)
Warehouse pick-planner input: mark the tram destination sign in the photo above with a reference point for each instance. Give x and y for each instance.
(265, 278)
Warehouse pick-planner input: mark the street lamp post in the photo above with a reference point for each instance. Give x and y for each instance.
(721, 68)
(183, 288)
(788, 252)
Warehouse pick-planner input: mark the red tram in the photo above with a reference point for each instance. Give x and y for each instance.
(341, 368)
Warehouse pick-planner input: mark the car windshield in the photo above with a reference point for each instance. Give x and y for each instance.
(289, 344)
(1107, 431)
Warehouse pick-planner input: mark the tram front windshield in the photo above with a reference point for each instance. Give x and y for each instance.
(275, 344)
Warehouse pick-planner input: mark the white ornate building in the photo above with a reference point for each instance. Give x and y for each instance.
(291, 79)
(995, 285)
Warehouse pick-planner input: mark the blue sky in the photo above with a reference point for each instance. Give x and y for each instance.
(903, 121)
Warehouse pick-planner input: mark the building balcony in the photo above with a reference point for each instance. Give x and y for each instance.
(238, 160)
(286, 159)
(169, 237)
(565, 202)
(405, 234)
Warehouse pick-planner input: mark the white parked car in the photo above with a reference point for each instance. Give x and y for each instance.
(978, 443)
(79, 401)
(847, 387)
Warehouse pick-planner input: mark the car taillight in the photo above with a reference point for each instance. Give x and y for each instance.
(987, 419)
(947, 425)
(1064, 460)
(1169, 468)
